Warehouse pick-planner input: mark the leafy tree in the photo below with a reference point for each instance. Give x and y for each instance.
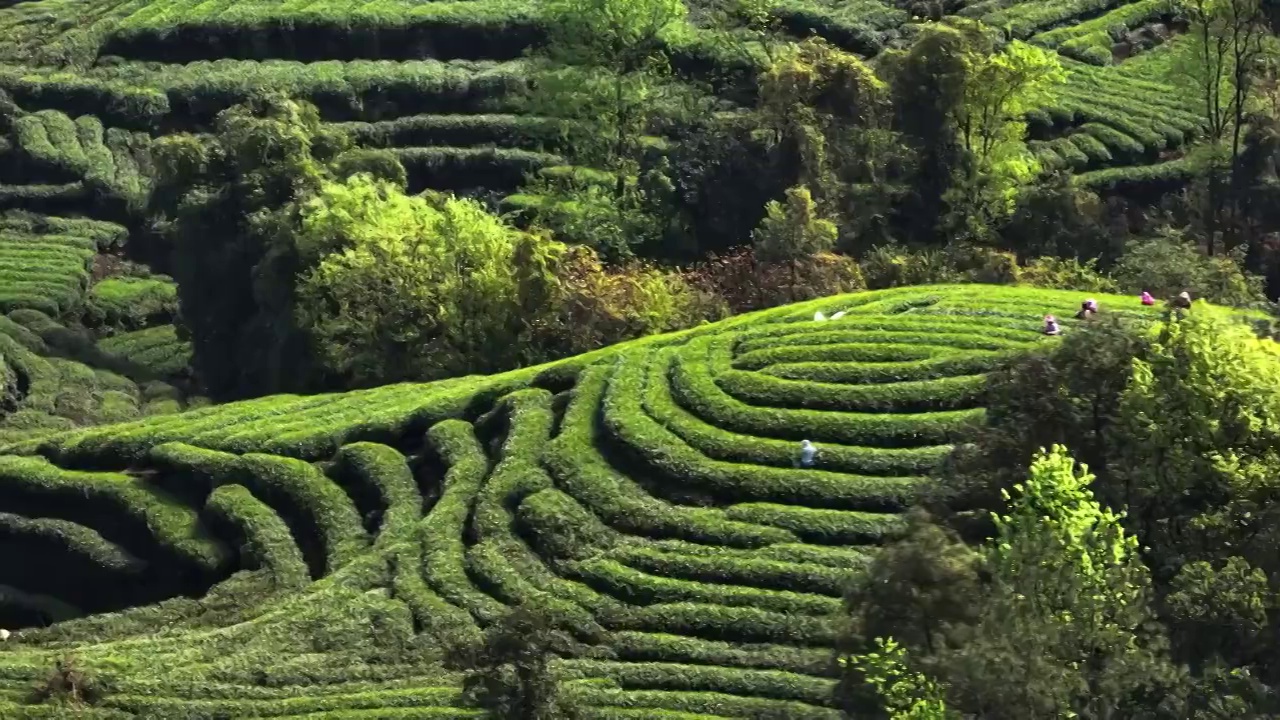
(906, 694)
(1056, 219)
(1218, 64)
(227, 207)
(607, 77)
(791, 233)
(405, 287)
(509, 674)
(1067, 629)
(963, 100)
(1061, 624)
(826, 117)
(1199, 461)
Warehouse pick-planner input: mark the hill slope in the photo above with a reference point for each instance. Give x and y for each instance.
(644, 495)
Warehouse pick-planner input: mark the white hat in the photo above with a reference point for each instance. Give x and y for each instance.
(1184, 295)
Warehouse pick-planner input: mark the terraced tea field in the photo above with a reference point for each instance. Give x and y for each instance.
(304, 556)
(91, 81)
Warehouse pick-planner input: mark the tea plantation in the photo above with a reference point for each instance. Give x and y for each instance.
(86, 85)
(304, 556)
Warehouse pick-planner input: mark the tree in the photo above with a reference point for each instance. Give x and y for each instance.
(1051, 618)
(1219, 63)
(964, 101)
(509, 673)
(1199, 460)
(227, 206)
(405, 287)
(606, 76)
(791, 233)
(825, 116)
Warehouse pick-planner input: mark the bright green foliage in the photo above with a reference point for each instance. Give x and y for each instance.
(1075, 554)
(907, 695)
(131, 302)
(411, 287)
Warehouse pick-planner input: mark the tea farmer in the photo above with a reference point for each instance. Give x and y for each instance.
(807, 453)
(1088, 309)
(1147, 299)
(1183, 300)
(1051, 325)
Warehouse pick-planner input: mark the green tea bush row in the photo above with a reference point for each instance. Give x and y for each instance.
(430, 611)
(316, 508)
(664, 453)
(444, 560)
(182, 708)
(1091, 40)
(561, 528)
(1148, 178)
(866, 373)
(613, 704)
(380, 482)
(775, 684)
(92, 233)
(157, 350)
(820, 525)
(719, 444)
(69, 538)
(501, 558)
(190, 472)
(141, 96)
(508, 131)
(1026, 18)
(728, 566)
(131, 303)
(720, 622)
(1095, 152)
(949, 393)
(695, 388)
(660, 647)
(263, 538)
(48, 273)
(141, 517)
(578, 468)
(635, 587)
(897, 345)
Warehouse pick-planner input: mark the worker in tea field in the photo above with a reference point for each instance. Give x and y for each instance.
(1147, 299)
(1051, 325)
(808, 451)
(1183, 301)
(1088, 309)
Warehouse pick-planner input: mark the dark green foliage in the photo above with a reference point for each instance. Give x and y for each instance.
(509, 674)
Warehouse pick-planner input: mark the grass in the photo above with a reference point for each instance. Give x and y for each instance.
(314, 550)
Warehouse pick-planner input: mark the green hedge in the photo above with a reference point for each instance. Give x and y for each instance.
(142, 519)
(441, 534)
(727, 566)
(718, 444)
(380, 482)
(950, 393)
(263, 537)
(316, 509)
(660, 647)
(821, 525)
(775, 684)
(132, 303)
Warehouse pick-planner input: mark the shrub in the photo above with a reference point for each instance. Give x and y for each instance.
(1166, 265)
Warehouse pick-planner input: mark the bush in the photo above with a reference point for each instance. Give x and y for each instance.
(1167, 264)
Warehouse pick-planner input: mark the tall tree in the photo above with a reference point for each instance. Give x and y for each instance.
(793, 232)
(1219, 63)
(607, 76)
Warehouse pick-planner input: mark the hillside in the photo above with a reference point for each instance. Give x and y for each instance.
(644, 495)
(92, 85)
